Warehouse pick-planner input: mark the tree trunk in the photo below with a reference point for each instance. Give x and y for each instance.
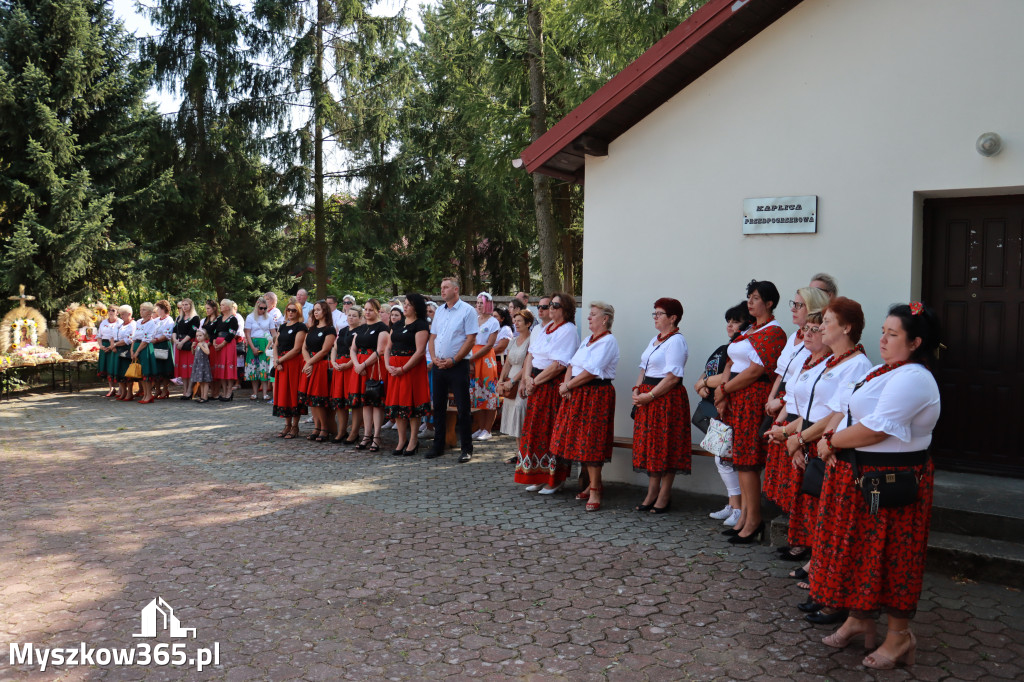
(524, 271)
(319, 215)
(538, 125)
(568, 252)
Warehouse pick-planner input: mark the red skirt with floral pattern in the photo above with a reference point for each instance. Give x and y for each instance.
(356, 382)
(744, 415)
(803, 516)
(536, 464)
(339, 379)
(408, 395)
(585, 425)
(870, 562)
(315, 387)
(286, 388)
(183, 361)
(661, 433)
(779, 473)
(224, 362)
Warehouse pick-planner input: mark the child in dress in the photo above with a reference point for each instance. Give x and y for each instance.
(202, 375)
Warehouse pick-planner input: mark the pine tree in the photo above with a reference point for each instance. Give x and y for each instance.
(68, 90)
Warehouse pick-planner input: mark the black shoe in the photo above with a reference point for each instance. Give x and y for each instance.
(433, 454)
(730, 532)
(643, 507)
(465, 457)
(374, 445)
(363, 444)
(799, 556)
(756, 536)
(185, 397)
(820, 618)
(410, 453)
(661, 510)
(810, 606)
(398, 452)
(798, 574)
(782, 550)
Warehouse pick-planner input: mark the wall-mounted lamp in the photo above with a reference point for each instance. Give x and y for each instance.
(517, 162)
(989, 144)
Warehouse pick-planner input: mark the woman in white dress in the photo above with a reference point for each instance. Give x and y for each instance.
(513, 410)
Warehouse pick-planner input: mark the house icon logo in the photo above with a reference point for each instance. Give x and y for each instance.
(158, 614)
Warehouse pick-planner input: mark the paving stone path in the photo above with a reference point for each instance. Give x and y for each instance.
(310, 561)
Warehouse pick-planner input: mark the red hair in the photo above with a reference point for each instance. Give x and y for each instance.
(671, 306)
(848, 311)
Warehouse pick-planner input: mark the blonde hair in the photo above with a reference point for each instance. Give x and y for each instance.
(815, 299)
(145, 306)
(122, 309)
(203, 332)
(191, 305)
(358, 309)
(256, 308)
(607, 309)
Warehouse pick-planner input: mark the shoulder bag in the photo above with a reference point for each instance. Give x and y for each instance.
(814, 468)
(632, 413)
(373, 392)
(719, 439)
(134, 371)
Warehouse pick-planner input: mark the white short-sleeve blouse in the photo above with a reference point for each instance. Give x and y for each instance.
(558, 346)
(670, 355)
(600, 359)
(903, 403)
(742, 353)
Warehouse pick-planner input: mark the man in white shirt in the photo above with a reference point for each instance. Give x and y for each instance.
(302, 297)
(524, 298)
(543, 312)
(338, 318)
(452, 335)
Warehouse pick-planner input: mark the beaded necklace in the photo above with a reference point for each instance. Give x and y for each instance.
(594, 339)
(552, 329)
(753, 328)
(884, 369)
(836, 359)
(661, 338)
(808, 364)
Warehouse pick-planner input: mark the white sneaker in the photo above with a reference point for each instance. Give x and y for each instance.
(484, 435)
(733, 518)
(423, 428)
(725, 513)
(390, 425)
(308, 420)
(533, 488)
(551, 491)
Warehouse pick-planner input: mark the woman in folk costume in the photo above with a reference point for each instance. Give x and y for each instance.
(183, 338)
(741, 398)
(107, 333)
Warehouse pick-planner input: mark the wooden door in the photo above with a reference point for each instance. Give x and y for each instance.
(974, 280)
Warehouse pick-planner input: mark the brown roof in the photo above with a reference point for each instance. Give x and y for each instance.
(710, 35)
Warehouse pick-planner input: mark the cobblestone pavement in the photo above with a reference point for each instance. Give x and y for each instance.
(310, 561)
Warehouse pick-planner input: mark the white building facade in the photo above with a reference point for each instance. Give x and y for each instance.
(873, 107)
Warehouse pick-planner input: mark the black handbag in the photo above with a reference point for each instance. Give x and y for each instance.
(703, 415)
(886, 489)
(814, 477)
(373, 391)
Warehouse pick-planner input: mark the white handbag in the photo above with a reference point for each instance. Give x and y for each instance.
(718, 441)
(161, 353)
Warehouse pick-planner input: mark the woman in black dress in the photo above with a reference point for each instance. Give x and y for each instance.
(408, 396)
(291, 337)
(341, 367)
(223, 359)
(185, 328)
(368, 344)
(315, 382)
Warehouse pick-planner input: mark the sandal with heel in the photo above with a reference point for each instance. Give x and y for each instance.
(879, 661)
(314, 435)
(838, 640)
(374, 445)
(593, 506)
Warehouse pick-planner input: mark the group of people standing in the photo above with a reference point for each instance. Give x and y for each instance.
(808, 407)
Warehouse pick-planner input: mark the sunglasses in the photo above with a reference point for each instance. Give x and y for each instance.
(812, 330)
(262, 307)
(556, 305)
(291, 310)
(543, 307)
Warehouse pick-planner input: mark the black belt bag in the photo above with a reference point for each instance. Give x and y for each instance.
(887, 489)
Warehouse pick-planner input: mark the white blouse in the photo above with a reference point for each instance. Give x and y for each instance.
(742, 353)
(504, 333)
(259, 328)
(670, 356)
(108, 329)
(147, 330)
(558, 346)
(600, 359)
(486, 329)
(799, 390)
(903, 403)
(126, 332)
(163, 327)
(791, 359)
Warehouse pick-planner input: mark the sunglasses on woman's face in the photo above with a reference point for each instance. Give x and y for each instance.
(555, 305)
(292, 310)
(262, 308)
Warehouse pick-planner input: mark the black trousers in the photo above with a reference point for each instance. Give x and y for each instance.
(456, 381)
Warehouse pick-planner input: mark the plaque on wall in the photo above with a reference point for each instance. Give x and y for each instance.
(780, 215)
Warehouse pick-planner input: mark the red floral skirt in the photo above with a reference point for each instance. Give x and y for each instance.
(356, 385)
(536, 463)
(183, 360)
(780, 474)
(315, 387)
(408, 394)
(803, 515)
(224, 362)
(744, 415)
(286, 388)
(661, 433)
(870, 562)
(339, 381)
(585, 425)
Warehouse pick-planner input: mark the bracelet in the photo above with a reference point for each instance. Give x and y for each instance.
(722, 388)
(800, 438)
(828, 436)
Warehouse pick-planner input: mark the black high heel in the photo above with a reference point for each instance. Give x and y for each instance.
(661, 510)
(643, 507)
(756, 536)
(730, 532)
(410, 453)
(364, 443)
(374, 444)
(398, 452)
(312, 436)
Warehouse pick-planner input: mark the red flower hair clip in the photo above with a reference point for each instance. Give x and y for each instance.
(916, 308)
